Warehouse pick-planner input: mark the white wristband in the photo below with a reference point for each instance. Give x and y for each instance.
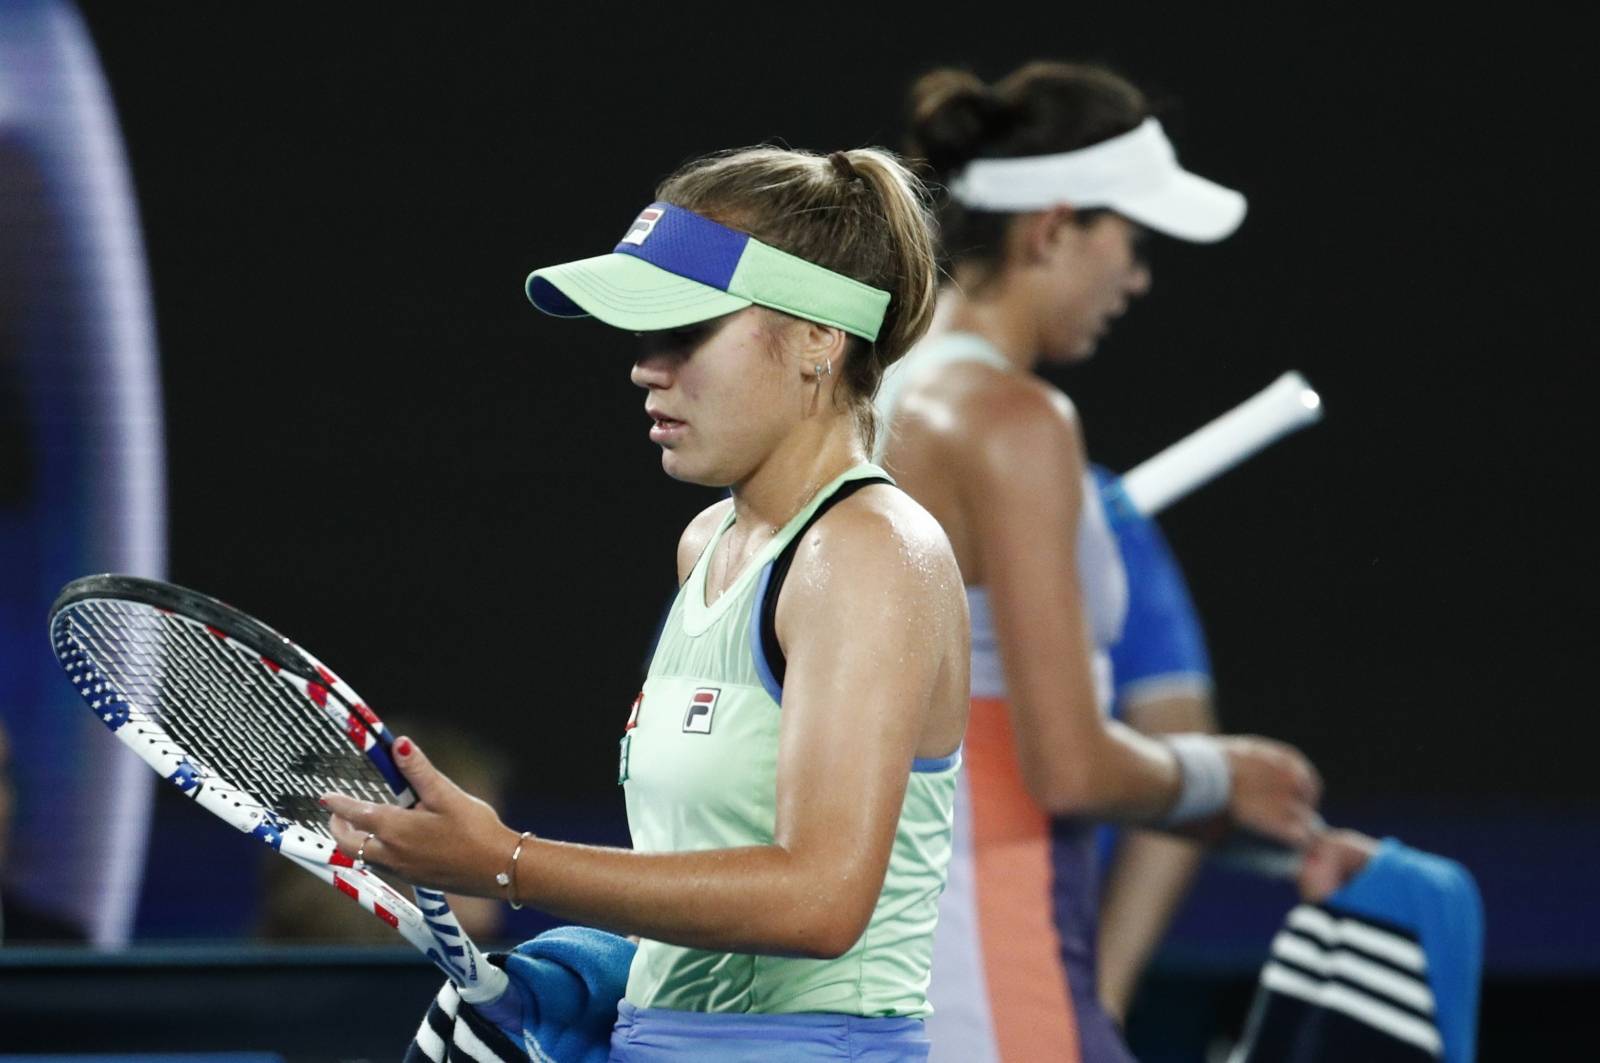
(1207, 778)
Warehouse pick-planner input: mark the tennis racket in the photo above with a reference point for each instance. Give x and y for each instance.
(1284, 406)
(253, 729)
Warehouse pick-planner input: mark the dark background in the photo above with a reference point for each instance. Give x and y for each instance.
(378, 446)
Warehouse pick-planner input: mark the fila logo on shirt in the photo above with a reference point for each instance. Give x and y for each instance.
(702, 706)
(642, 226)
(625, 747)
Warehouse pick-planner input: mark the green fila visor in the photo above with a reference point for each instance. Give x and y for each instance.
(675, 267)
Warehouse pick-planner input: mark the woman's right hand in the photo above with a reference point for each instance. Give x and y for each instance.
(1275, 789)
(1337, 857)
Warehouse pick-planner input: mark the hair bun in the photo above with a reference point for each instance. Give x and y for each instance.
(953, 116)
(845, 168)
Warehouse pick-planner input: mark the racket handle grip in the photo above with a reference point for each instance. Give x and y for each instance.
(1264, 863)
(490, 987)
(1258, 856)
(479, 981)
(1287, 404)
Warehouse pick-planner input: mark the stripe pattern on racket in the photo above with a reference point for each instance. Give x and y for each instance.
(253, 729)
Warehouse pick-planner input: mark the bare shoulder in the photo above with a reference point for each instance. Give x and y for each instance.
(880, 540)
(875, 600)
(989, 419)
(692, 543)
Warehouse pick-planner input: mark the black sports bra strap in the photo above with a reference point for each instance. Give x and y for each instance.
(768, 605)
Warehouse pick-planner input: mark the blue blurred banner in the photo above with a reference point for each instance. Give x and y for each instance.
(82, 477)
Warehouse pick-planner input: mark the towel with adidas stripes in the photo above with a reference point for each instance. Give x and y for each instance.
(1386, 971)
(559, 1007)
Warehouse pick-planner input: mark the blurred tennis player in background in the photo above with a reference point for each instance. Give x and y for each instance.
(1054, 175)
(1161, 684)
(787, 861)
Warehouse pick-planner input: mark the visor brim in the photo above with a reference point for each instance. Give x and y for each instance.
(1186, 206)
(627, 293)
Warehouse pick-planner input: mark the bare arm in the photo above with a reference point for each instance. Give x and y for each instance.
(1021, 470)
(1022, 498)
(858, 596)
(1152, 871)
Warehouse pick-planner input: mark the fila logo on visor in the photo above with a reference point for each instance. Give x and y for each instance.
(697, 721)
(642, 226)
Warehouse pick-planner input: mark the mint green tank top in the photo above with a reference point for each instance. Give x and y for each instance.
(699, 769)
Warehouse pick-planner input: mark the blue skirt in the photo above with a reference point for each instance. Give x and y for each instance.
(656, 1035)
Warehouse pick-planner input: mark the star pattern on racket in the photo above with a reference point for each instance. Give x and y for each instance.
(108, 703)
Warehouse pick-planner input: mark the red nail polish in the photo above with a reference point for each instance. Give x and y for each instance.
(403, 747)
(323, 802)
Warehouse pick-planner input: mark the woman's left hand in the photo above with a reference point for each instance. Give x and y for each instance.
(449, 840)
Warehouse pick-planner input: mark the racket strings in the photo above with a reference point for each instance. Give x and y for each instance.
(245, 723)
(133, 653)
(230, 716)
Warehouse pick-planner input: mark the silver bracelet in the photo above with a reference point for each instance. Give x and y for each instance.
(507, 879)
(1207, 777)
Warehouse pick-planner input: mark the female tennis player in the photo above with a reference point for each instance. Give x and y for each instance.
(1161, 684)
(1054, 175)
(790, 765)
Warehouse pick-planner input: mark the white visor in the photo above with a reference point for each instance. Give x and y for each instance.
(1135, 174)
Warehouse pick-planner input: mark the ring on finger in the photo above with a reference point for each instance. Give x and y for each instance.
(361, 851)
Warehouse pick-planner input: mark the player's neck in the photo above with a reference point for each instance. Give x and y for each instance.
(809, 459)
(1000, 313)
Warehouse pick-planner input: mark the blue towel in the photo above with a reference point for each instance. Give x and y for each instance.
(1386, 970)
(559, 1007)
(1438, 900)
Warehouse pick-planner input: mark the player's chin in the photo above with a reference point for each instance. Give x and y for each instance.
(1088, 344)
(692, 468)
(680, 466)
(1078, 349)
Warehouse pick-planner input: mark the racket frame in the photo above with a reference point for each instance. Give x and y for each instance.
(429, 924)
